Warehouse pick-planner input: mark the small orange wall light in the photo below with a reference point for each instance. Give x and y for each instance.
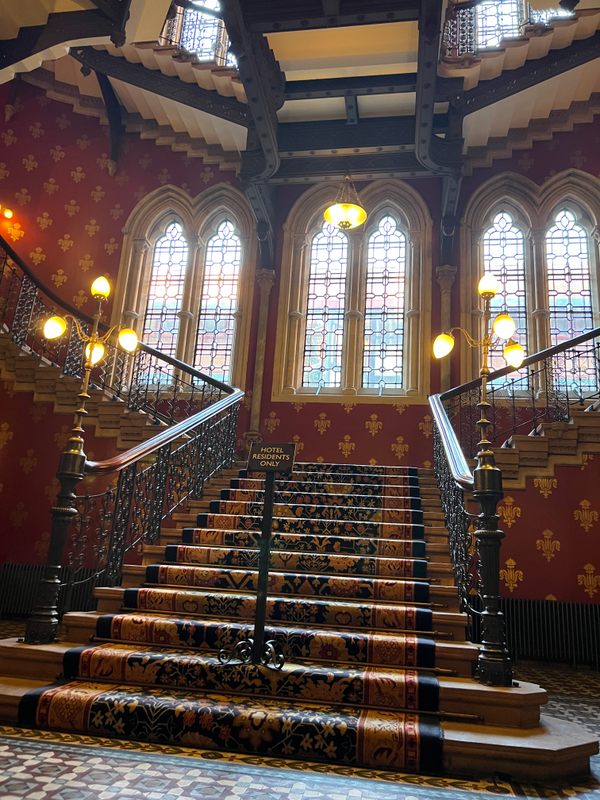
(7, 213)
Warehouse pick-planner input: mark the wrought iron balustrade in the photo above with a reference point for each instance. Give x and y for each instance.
(200, 31)
(546, 389)
(123, 501)
(471, 27)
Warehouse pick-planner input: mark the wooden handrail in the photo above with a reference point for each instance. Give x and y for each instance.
(75, 312)
(166, 436)
(539, 356)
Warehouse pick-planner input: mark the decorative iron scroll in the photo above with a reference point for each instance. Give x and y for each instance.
(124, 505)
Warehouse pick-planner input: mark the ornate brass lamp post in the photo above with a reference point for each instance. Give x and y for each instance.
(42, 625)
(493, 663)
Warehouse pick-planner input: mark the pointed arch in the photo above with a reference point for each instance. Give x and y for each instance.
(199, 218)
(362, 373)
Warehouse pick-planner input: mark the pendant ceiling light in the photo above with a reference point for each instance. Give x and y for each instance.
(346, 211)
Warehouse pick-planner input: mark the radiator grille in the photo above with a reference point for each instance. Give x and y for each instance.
(19, 582)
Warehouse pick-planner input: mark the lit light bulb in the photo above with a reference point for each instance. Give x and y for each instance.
(504, 326)
(443, 345)
(95, 353)
(488, 285)
(128, 339)
(513, 353)
(8, 213)
(101, 288)
(345, 215)
(54, 327)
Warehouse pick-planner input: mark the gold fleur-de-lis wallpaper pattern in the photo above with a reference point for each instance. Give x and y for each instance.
(586, 515)
(548, 545)
(508, 511)
(545, 486)
(511, 575)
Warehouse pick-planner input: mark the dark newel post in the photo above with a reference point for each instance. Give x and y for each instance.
(493, 663)
(258, 646)
(42, 625)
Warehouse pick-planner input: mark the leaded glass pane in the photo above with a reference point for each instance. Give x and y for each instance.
(384, 307)
(496, 20)
(216, 323)
(323, 341)
(504, 257)
(169, 262)
(569, 294)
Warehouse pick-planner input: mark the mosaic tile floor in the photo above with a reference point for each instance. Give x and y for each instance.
(41, 765)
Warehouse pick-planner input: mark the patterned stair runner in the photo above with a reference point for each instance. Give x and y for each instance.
(349, 601)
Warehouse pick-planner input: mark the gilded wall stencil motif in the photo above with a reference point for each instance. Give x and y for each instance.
(511, 575)
(5, 434)
(550, 597)
(29, 461)
(272, 421)
(548, 545)
(58, 278)
(545, 486)
(299, 444)
(322, 423)
(589, 580)
(374, 425)
(508, 511)
(586, 458)
(399, 448)
(346, 446)
(348, 407)
(426, 426)
(298, 407)
(585, 515)
(400, 408)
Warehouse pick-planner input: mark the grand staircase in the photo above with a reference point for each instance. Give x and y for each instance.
(362, 600)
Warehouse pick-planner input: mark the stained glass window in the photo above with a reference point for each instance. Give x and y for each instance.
(569, 289)
(216, 323)
(384, 306)
(169, 263)
(496, 20)
(323, 340)
(504, 257)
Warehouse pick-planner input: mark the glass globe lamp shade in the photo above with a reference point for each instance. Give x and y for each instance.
(94, 353)
(443, 345)
(504, 326)
(128, 339)
(514, 354)
(488, 286)
(7, 213)
(101, 288)
(54, 327)
(345, 215)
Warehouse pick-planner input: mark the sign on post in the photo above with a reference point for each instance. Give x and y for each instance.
(271, 457)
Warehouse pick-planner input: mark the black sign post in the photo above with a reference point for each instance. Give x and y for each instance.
(267, 458)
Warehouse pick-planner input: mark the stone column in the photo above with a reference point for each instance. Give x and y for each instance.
(265, 279)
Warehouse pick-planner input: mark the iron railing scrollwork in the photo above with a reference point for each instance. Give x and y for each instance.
(121, 502)
(472, 26)
(547, 388)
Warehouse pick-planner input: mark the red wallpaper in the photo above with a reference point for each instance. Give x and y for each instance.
(68, 217)
(69, 211)
(552, 545)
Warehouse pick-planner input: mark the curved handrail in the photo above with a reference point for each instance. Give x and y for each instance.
(166, 436)
(457, 462)
(533, 359)
(75, 312)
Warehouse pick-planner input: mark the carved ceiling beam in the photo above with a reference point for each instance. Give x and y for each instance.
(188, 94)
(118, 12)
(335, 135)
(263, 84)
(270, 16)
(60, 28)
(368, 85)
(362, 166)
(115, 119)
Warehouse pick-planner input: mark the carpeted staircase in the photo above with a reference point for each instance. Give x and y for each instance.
(358, 601)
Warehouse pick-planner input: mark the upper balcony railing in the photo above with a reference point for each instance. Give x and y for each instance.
(197, 28)
(473, 27)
